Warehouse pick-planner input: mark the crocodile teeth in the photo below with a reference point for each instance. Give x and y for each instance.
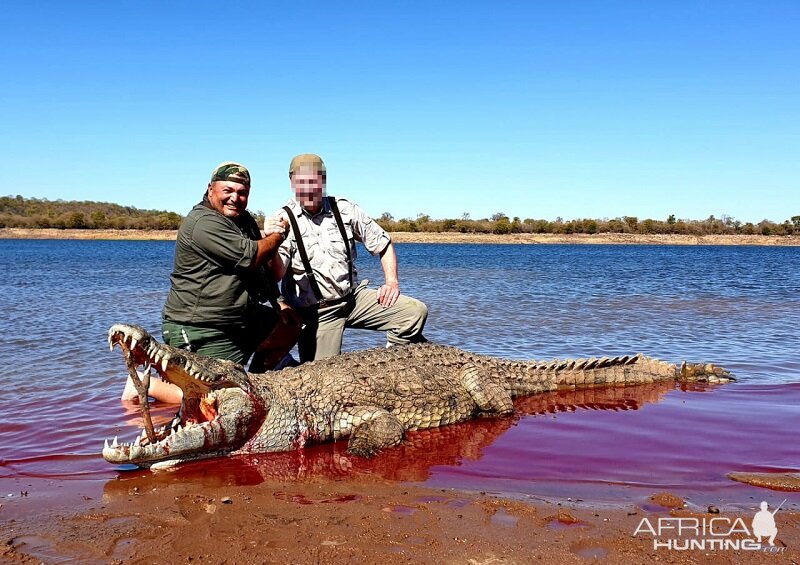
(134, 342)
(106, 446)
(114, 443)
(164, 363)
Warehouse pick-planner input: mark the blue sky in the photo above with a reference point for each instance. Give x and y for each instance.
(537, 110)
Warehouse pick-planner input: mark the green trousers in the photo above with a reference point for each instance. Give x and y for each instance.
(234, 343)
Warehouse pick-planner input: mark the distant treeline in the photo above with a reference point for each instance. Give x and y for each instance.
(501, 224)
(19, 212)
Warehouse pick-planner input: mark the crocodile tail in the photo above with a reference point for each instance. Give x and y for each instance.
(703, 372)
(538, 376)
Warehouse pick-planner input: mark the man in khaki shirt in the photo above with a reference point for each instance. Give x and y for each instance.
(324, 288)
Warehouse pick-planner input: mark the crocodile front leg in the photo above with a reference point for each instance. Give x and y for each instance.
(370, 428)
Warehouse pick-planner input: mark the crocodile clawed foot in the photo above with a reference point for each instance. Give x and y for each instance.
(382, 431)
(361, 447)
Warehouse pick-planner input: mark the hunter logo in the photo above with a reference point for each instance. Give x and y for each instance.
(714, 534)
(764, 523)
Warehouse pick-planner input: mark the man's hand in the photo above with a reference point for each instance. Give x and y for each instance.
(388, 294)
(269, 244)
(276, 224)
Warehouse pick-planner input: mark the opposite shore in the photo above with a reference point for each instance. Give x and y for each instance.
(445, 237)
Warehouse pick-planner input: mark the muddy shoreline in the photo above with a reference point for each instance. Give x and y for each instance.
(158, 518)
(419, 237)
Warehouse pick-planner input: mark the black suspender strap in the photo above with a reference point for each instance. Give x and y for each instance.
(312, 281)
(272, 286)
(335, 209)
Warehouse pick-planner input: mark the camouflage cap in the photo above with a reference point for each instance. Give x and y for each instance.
(306, 160)
(231, 171)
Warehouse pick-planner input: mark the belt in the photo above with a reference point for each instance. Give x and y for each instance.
(332, 302)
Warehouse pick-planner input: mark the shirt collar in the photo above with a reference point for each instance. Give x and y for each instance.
(299, 210)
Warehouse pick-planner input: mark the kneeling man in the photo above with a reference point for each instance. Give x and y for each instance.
(220, 284)
(317, 266)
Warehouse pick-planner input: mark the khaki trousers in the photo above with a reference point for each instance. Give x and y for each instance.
(324, 327)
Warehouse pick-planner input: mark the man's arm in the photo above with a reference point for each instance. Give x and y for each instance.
(271, 238)
(390, 291)
(278, 267)
(366, 230)
(279, 223)
(267, 246)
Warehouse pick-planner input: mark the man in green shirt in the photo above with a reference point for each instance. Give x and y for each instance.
(219, 283)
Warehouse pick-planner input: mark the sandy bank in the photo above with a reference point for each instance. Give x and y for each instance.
(601, 238)
(134, 235)
(408, 237)
(159, 518)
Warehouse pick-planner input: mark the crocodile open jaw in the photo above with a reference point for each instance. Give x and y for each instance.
(196, 425)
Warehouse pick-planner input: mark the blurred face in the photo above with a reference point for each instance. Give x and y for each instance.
(228, 198)
(309, 188)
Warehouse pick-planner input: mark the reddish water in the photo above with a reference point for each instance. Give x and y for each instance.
(729, 305)
(599, 446)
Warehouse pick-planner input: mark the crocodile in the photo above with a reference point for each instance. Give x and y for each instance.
(417, 456)
(371, 398)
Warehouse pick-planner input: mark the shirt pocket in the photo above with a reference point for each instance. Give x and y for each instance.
(336, 247)
(315, 256)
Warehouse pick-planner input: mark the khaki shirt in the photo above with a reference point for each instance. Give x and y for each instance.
(326, 251)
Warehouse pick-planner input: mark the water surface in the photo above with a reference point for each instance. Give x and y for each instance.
(736, 306)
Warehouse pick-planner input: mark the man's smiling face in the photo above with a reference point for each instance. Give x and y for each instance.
(228, 198)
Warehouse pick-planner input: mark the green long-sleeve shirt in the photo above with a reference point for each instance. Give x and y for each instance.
(212, 283)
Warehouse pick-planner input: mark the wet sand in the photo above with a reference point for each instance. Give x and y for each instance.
(419, 237)
(151, 519)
